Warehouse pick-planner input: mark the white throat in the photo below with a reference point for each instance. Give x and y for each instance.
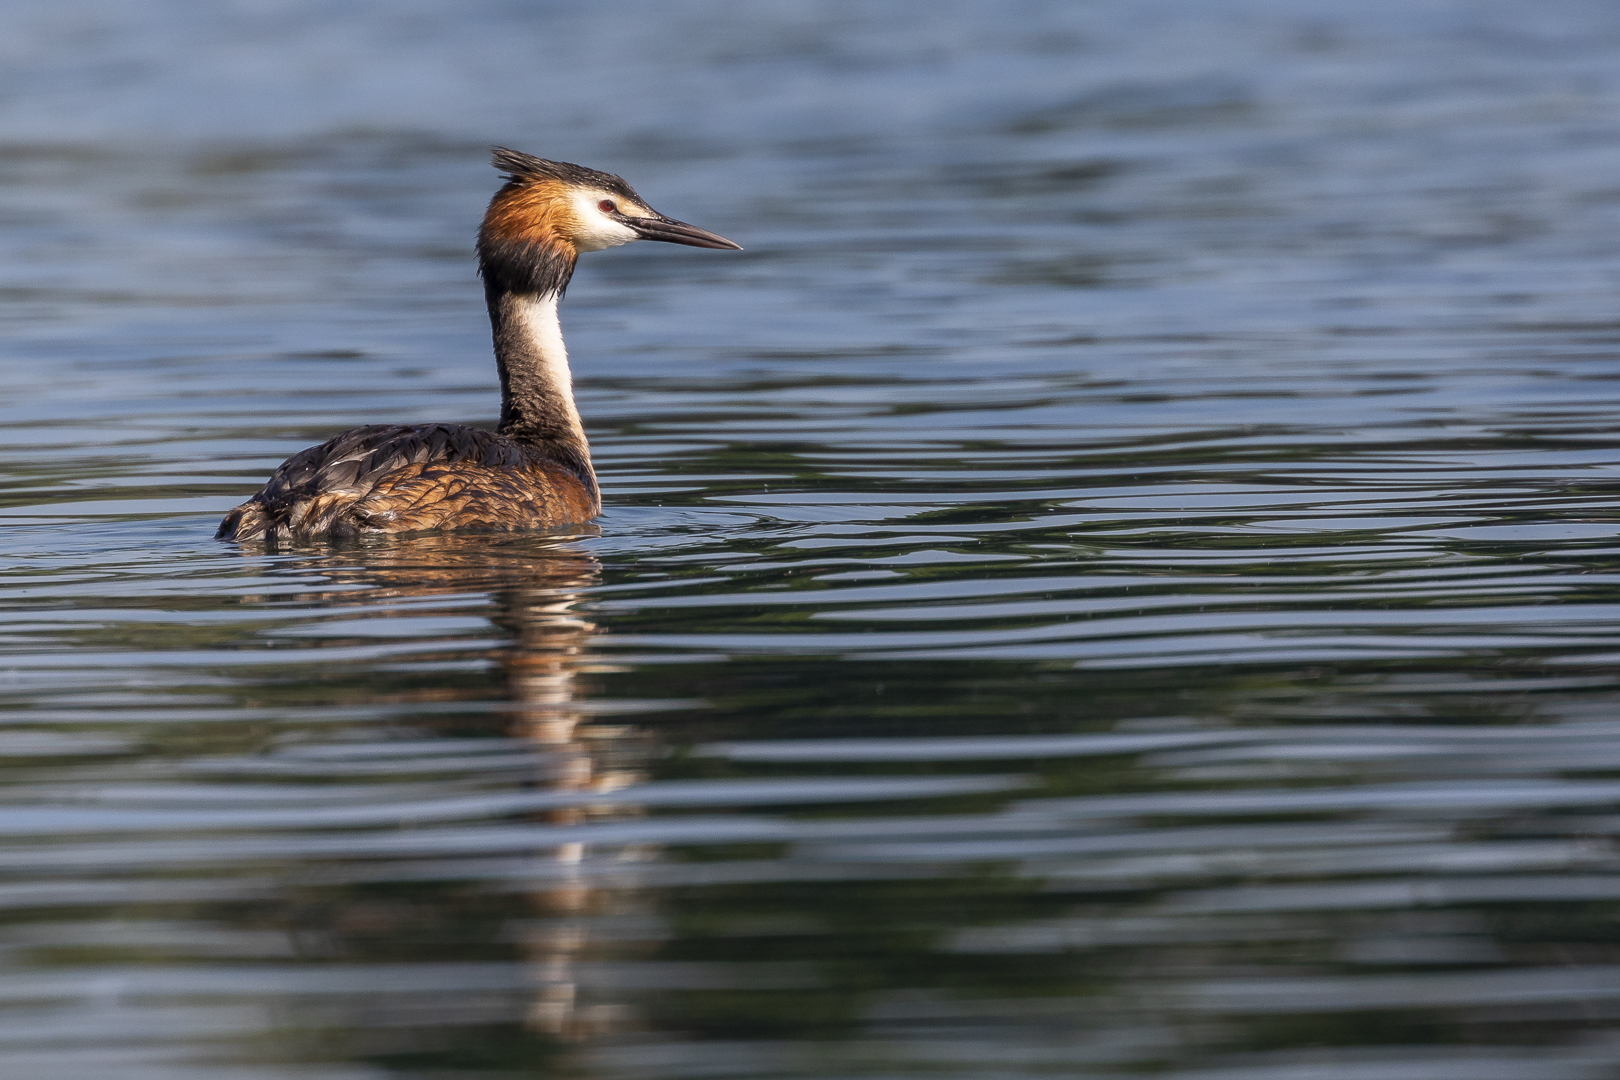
(537, 322)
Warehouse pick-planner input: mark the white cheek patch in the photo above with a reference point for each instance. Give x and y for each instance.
(595, 230)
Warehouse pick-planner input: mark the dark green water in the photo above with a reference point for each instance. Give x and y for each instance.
(1118, 579)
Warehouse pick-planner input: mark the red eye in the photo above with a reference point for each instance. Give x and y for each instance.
(606, 206)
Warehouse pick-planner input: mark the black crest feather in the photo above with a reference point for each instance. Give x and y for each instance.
(521, 168)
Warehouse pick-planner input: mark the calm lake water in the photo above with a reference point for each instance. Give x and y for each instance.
(1119, 578)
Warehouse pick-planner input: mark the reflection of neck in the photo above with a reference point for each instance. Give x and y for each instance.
(537, 390)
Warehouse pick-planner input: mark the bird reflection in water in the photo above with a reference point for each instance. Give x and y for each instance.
(534, 587)
(541, 666)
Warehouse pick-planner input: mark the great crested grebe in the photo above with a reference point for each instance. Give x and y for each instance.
(534, 471)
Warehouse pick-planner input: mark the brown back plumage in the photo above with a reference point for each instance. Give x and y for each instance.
(399, 478)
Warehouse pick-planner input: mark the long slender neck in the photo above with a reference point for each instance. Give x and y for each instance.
(537, 389)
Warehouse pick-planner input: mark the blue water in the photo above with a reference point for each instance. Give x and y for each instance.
(1117, 579)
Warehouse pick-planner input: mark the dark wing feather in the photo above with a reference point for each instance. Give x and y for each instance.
(319, 491)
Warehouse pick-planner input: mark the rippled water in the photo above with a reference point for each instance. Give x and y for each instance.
(1119, 578)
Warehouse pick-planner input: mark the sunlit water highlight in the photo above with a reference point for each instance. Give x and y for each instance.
(1119, 578)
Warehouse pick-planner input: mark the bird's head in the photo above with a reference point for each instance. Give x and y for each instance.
(548, 212)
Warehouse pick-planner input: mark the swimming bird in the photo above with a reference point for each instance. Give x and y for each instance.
(534, 470)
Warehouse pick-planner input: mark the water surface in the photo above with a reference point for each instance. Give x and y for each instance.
(1118, 579)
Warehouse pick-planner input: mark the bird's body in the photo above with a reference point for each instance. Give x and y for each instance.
(534, 471)
(407, 478)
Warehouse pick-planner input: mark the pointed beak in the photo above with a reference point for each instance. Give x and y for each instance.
(679, 232)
